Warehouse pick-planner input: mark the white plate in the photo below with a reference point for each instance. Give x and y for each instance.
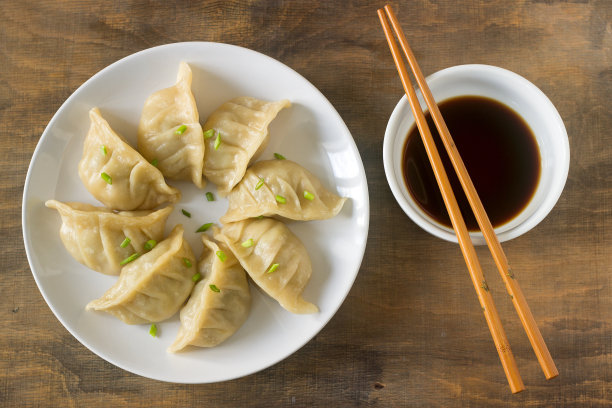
(310, 132)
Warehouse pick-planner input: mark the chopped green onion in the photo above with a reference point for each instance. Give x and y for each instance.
(259, 217)
(125, 242)
(204, 227)
(129, 259)
(186, 213)
(259, 184)
(181, 129)
(221, 256)
(103, 150)
(214, 288)
(218, 141)
(209, 133)
(150, 244)
(210, 196)
(153, 330)
(272, 268)
(187, 262)
(154, 162)
(281, 199)
(106, 178)
(196, 277)
(248, 243)
(308, 195)
(279, 156)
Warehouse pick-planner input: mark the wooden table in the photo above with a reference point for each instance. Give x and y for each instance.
(411, 332)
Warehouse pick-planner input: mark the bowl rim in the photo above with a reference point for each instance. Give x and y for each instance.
(531, 215)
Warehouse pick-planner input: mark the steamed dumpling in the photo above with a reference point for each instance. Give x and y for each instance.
(210, 317)
(117, 175)
(154, 286)
(277, 260)
(170, 132)
(241, 134)
(304, 196)
(93, 235)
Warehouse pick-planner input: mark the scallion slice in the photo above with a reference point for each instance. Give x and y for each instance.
(154, 162)
(209, 133)
(204, 227)
(221, 255)
(150, 244)
(279, 156)
(187, 262)
(308, 195)
(106, 178)
(103, 150)
(214, 288)
(196, 277)
(153, 330)
(210, 196)
(218, 141)
(259, 184)
(181, 129)
(125, 242)
(129, 259)
(281, 199)
(248, 243)
(273, 267)
(186, 213)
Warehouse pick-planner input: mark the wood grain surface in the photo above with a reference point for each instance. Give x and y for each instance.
(411, 332)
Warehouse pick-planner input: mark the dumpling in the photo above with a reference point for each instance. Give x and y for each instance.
(154, 286)
(281, 187)
(240, 134)
(273, 257)
(97, 237)
(117, 175)
(219, 303)
(170, 132)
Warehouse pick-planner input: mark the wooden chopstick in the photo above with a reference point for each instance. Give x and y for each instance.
(465, 242)
(512, 286)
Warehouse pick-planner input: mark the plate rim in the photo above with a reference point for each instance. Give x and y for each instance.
(37, 151)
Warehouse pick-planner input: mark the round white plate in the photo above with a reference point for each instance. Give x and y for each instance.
(310, 132)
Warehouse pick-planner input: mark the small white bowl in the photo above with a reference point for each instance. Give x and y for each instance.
(515, 92)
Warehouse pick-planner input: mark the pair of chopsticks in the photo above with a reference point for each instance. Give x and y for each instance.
(478, 280)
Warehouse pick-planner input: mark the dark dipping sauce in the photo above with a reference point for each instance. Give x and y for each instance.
(498, 149)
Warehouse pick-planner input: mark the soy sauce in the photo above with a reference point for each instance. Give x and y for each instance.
(498, 149)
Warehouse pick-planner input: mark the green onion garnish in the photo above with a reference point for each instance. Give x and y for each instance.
(248, 243)
(186, 213)
(129, 259)
(210, 196)
(153, 330)
(214, 288)
(204, 227)
(259, 184)
(187, 262)
(181, 129)
(218, 141)
(281, 199)
(259, 217)
(106, 178)
(103, 150)
(150, 244)
(279, 156)
(125, 242)
(272, 268)
(209, 133)
(221, 256)
(308, 195)
(154, 162)
(196, 277)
